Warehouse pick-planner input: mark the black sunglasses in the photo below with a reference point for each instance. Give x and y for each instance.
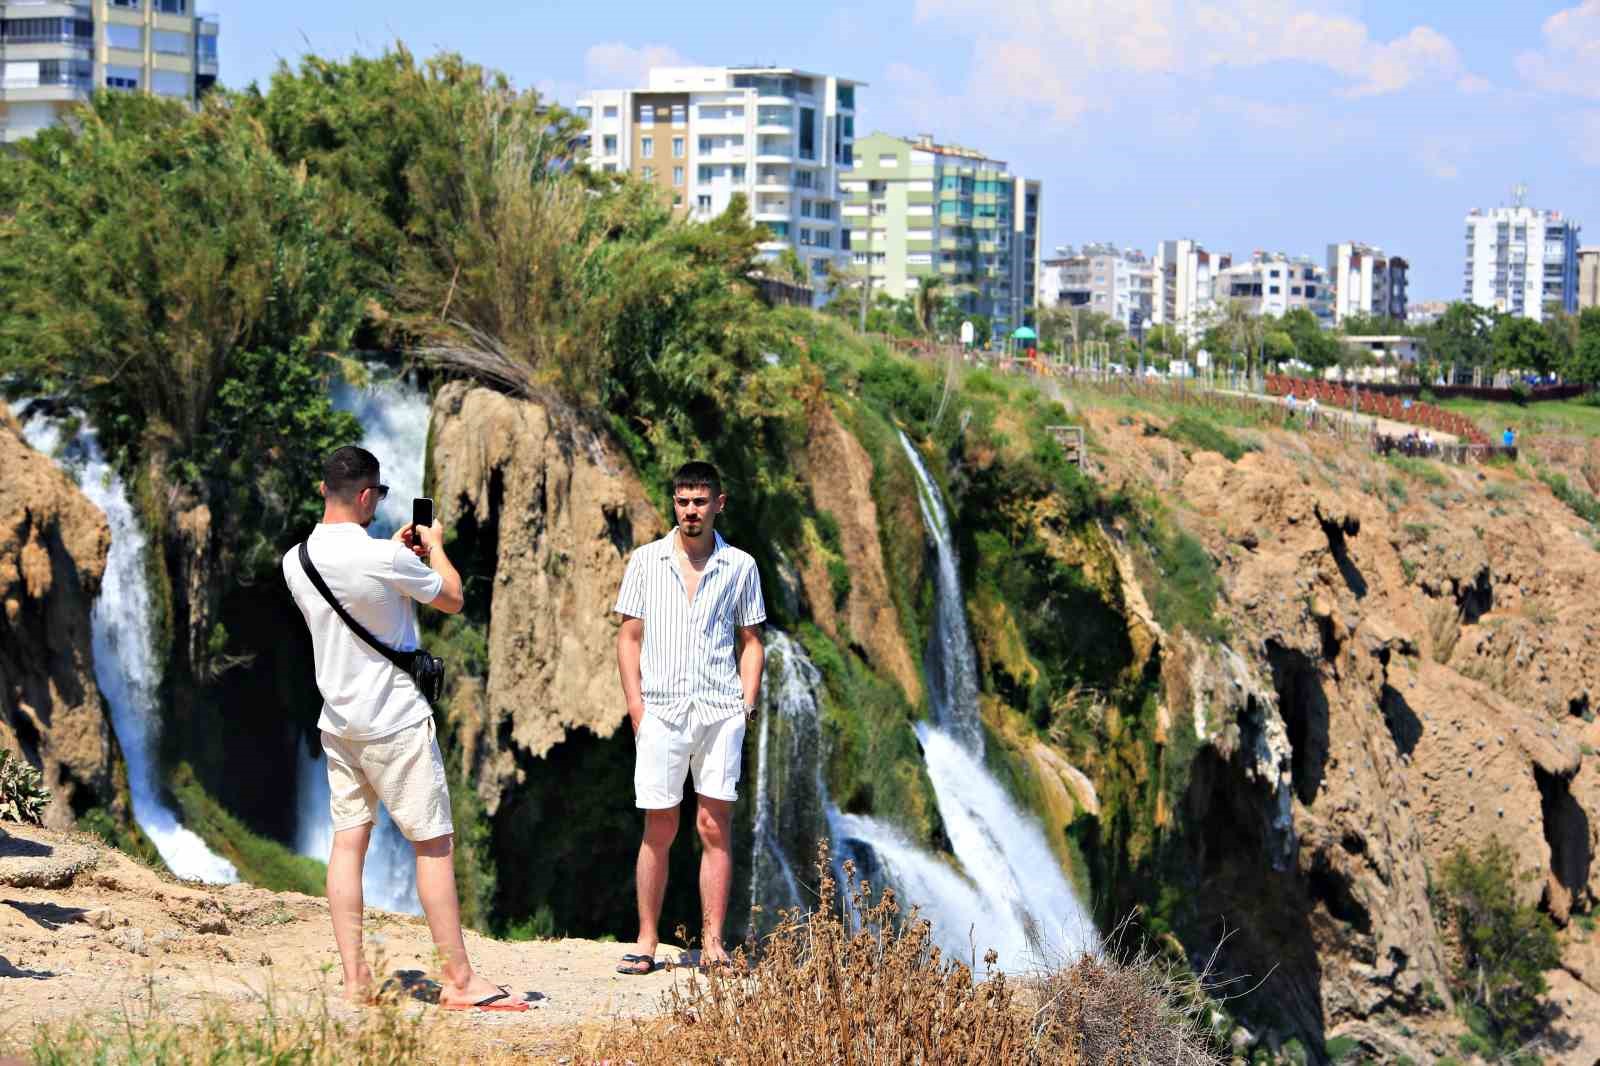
(382, 490)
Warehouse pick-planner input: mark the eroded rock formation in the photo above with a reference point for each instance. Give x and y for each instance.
(53, 545)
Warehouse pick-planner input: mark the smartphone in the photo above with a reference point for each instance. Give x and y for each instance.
(422, 512)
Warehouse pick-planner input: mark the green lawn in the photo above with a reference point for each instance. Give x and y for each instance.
(1557, 417)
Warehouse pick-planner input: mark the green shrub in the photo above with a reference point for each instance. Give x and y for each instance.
(1341, 1048)
(1582, 503)
(1207, 436)
(23, 796)
(1506, 946)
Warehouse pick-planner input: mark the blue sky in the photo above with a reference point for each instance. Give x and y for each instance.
(1246, 124)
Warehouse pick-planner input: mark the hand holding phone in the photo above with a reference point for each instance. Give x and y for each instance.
(421, 520)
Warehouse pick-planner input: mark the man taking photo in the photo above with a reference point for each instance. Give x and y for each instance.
(690, 655)
(377, 728)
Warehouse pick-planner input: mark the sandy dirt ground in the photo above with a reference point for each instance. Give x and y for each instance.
(88, 933)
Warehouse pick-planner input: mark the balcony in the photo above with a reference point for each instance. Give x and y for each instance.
(772, 178)
(776, 210)
(775, 150)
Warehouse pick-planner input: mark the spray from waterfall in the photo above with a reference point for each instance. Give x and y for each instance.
(393, 412)
(125, 662)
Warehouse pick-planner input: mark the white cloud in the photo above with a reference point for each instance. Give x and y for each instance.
(614, 65)
(1570, 59)
(1052, 53)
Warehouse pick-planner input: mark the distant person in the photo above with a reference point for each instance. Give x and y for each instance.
(1289, 402)
(1311, 408)
(1509, 438)
(690, 657)
(377, 729)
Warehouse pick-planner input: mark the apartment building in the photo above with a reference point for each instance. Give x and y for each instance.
(1521, 260)
(1588, 277)
(1102, 277)
(1184, 291)
(1366, 282)
(1274, 284)
(780, 136)
(916, 209)
(54, 55)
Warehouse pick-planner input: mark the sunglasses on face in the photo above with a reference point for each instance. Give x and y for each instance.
(381, 490)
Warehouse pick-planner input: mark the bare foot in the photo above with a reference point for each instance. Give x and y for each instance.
(475, 991)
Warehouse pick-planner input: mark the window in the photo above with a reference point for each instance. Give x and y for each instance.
(880, 209)
(677, 147)
(1295, 290)
(805, 208)
(888, 159)
(805, 237)
(647, 173)
(585, 112)
(647, 115)
(129, 37)
(610, 142)
(848, 125)
(808, 133)
(824, 239)
(677, 199)
(677, 175)
(736, 172)
(172, 7)
(171, 83)
(609, 111)
(171, 43)
(122, 77)
(130, 5)
(702, 204)
(819, 266)
(1274, 290)
(919, 259)
(847, 96)
(75, 31)
(844, 239)
(705, 174)
(803, 179)
(647, 147)
(680, 114)
(824, 209)
(846, 156)
(610, 168)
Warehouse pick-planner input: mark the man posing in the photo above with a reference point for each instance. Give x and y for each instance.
(377, 729)
(690, 656)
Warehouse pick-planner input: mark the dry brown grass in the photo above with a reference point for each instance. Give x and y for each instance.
(871, 987)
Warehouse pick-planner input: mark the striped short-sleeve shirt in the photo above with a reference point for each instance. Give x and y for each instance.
(688, 665)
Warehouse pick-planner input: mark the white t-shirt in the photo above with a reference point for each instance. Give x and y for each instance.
(364, 695)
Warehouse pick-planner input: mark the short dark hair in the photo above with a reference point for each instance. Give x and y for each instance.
(693, 474)
(348, 470)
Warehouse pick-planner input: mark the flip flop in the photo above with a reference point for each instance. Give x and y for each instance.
(630, 965)
(492, 1003)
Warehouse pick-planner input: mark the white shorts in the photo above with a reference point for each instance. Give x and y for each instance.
(664, 753)
(403, 770)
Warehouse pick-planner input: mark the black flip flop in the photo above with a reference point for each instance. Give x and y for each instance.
(491, 1003)
(630, 965)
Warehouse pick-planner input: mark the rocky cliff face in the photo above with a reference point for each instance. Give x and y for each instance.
(557, 508)
(53, 545)
(1410, 671)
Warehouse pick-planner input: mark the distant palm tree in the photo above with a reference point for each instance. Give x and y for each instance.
(928, 301)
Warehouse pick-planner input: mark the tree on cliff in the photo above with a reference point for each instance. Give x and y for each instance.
(1461, 336)
(1584, 364)
(1506, 946)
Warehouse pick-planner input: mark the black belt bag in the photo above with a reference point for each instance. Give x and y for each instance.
(426, 670)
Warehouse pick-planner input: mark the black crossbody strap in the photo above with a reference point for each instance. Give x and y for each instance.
(400, 659)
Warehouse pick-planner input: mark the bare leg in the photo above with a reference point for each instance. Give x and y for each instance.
(650, 875)
(344, 907)
(715, 823)
(436, 890)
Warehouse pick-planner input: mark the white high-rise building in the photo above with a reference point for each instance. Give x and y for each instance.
(1271, 283)
(1184, 273)
(701, 134)
(1116, 282)
(1521, 260)
(56, 55)
(1366, 282)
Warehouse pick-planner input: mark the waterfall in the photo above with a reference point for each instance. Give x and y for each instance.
(790, 803)
(1004, 890)
(125, 663)
(948, 661)
(393, 413)
(1010, 893)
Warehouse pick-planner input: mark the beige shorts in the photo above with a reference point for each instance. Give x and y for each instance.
(404, 771)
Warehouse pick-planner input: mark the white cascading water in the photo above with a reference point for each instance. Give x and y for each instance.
(789, 692)
(948, 662)
(1012, 894)
(393, 413)
(125, 663)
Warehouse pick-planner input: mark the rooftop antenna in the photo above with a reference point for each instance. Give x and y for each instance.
(1519, 194)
